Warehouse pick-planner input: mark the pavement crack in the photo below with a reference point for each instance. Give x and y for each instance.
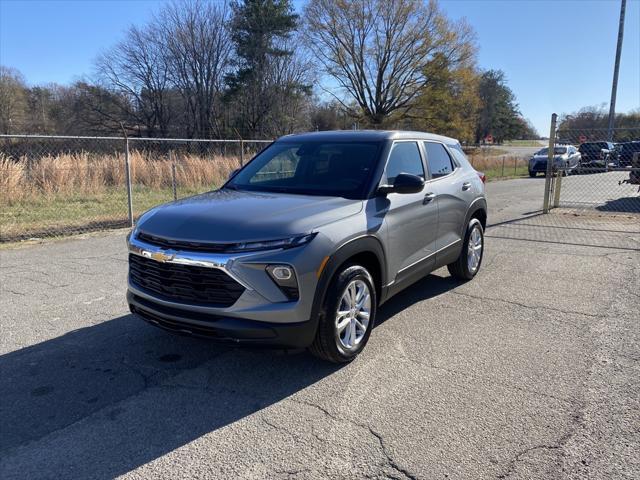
(14, 292)
(390, 461)
(47, 283)
(530, 307)
(557, 446)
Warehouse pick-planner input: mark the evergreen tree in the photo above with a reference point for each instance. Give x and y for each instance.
(260, 30)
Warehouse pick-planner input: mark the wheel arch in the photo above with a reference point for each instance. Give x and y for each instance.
(368, 251)
(477, 209)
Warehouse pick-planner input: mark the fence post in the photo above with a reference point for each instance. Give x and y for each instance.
(557, 186)
(547, 182)
(173, 179)
(241, 152)
(515, 166)
(127, 166)
(503, 160)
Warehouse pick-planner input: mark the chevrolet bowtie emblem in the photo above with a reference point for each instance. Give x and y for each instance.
(162, 257)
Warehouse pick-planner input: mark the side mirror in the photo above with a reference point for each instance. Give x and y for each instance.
(404, 183)
(233, 173)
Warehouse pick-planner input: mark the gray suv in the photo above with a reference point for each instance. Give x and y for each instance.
(302, 245)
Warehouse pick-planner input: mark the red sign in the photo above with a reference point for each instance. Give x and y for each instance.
(583, 138)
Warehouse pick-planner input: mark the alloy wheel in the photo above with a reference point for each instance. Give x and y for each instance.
(352, 317)
(474, 249)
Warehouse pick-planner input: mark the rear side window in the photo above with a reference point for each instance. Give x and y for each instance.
(438, 160)
(404, 158)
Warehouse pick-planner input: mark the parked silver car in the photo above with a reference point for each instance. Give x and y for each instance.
(566, 158)
(301, 246)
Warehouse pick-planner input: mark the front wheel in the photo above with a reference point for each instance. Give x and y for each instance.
(532, 174)
(347, 316)
(468, 263)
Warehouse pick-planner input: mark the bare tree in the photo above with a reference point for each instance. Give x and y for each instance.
(138, 68)
(13, 100)
(198, 50)
(377, 50)
(288, 83)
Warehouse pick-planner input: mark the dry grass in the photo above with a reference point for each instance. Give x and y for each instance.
(498, 166)
(82, 173)
(71, 193)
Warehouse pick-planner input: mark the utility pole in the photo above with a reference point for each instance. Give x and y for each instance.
(616, 68)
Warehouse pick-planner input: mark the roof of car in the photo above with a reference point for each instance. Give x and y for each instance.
(365, 135)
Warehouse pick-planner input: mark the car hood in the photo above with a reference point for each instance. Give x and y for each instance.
(240, 216)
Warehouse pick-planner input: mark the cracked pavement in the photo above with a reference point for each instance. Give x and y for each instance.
(529, 371)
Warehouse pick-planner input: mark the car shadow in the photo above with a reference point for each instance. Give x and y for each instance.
(424, 289)
(103, 400)
(621, 205)
(120, 393)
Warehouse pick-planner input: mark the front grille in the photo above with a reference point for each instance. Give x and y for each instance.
(184, 283)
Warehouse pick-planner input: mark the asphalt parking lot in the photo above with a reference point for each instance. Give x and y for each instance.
(529, 371)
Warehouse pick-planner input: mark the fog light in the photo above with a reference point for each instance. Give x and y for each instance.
(285, 277)
(282, 273)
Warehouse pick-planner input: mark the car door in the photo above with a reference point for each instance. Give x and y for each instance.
(455, 190)
(411, 218)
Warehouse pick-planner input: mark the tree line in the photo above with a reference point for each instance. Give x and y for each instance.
(259, 69)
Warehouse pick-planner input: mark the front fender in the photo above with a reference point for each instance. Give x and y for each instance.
(364, 244)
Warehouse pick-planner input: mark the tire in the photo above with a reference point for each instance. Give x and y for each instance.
(331, 343)
(532, 174)
(462, 268)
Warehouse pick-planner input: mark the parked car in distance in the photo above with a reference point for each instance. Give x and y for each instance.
(303, 243)
(565, 157)
(597, 155)
(626, 152)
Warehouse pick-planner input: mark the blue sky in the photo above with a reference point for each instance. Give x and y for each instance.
(557, 54)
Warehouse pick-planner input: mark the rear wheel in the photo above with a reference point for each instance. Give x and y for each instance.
(347, 316)
(468, 263)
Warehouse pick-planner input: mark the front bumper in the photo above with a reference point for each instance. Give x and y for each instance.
(222, 328)
(539, 166)
(262, 313)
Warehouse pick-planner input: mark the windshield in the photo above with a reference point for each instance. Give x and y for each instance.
(556, 151)
(339, 169)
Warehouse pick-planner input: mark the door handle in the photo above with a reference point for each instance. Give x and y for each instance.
(428, 197)
(466, 186)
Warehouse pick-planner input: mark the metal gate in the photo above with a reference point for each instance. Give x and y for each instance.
(591, 191)
(593, 171)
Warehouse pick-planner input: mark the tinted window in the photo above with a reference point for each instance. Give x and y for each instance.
(438, 159)
(458, 153)
(404, 158)
(311, 168)
(593, 147)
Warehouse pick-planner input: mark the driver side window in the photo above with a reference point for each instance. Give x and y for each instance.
(404, 158)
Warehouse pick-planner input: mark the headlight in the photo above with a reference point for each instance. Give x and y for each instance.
(133, 232)
(289, 242)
